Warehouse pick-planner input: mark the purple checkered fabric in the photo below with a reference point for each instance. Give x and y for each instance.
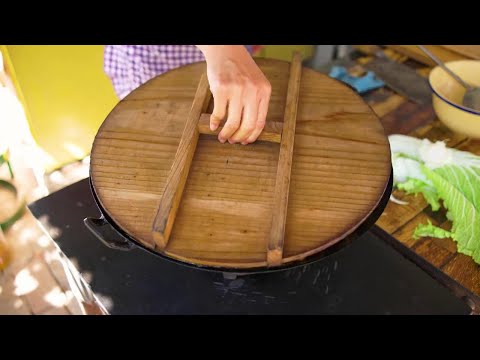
(129, 66)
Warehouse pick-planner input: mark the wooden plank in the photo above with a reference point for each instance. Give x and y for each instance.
(395, 215)
(405, 233)
(463, 269)
(377, 96)
(407, 117)
(272, 131)
(433, 253)
(446, 244)
(437, 131)
(424, 71)
(470, 51)
(440, 216)
(373, 50)
(367, 49)
(282, 183)
(385, 107)
(470, 145)
(437, 251)
(415, 53)
(395, 56)
(177, 177)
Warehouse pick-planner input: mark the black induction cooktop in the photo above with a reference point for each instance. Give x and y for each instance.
(366, 277)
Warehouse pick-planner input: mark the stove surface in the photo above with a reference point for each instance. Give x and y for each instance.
(366, 277)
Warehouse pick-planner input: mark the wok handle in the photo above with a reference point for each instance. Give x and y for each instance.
(107, 234)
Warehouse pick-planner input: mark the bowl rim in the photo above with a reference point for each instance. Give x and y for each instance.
(460, 107)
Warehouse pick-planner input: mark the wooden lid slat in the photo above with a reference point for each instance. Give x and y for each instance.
(177, 177)
(282, 183)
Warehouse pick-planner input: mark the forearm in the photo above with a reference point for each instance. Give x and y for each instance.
(213, 51)
(237, 84)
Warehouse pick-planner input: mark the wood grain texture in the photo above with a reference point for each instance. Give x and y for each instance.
(172, 195)
(415, 53)
(340, 169)
(469, 51)
(438, 251)
(463, 269)
(407, 117)
(405, 233)
(374, 50)
(435, 254)
(391, 104)
(282, 182)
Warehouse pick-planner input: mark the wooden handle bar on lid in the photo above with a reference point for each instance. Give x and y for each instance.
(282, 182)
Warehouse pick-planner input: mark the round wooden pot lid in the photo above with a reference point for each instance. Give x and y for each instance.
(232, 212)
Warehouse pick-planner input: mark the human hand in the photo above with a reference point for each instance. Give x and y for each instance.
(237, 84)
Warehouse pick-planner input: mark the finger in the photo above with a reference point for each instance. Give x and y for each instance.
(247, 125)
(261, 120)
(233, 120)
(219, 110)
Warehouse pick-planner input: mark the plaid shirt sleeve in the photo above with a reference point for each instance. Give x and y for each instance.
(129, 66)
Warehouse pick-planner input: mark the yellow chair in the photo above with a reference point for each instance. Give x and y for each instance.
(284, 52)
(65, 95)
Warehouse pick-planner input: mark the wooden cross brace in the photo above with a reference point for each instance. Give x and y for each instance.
(199, 123)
